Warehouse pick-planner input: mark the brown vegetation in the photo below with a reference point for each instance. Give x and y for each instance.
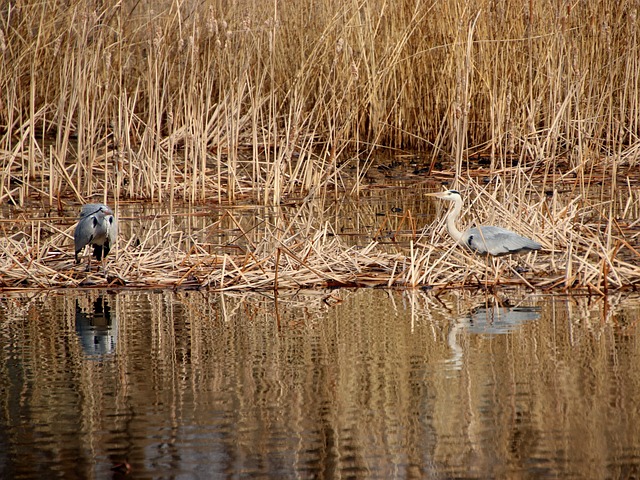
(297, 247)
(273, 101)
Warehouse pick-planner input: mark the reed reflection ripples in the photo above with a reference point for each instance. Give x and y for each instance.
(364, 383)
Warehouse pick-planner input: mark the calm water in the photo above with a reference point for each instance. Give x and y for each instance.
(333, 384)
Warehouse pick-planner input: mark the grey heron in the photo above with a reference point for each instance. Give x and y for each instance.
(490, 240)
(96, 227)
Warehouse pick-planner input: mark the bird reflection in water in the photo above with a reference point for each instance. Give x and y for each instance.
(488, 320)
(97, 329)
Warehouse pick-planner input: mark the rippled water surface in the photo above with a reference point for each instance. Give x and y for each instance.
(323, 384)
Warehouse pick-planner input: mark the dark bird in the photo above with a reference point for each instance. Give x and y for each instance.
(490, 240)
(97, 227)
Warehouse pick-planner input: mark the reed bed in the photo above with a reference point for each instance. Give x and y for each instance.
(194, 101)
(583, 249)
(280, 260)
(270, 103)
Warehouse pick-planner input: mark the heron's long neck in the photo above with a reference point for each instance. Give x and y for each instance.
(451, 220)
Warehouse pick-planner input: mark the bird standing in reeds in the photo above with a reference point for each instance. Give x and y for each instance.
(96, 227)
(486, 240)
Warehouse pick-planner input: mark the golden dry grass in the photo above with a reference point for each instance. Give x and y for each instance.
(158, 100)
(296, 248)
(186, 102)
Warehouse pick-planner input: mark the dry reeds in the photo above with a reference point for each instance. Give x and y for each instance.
(164, 256)
(293, 249)
(269, 102)
(186, 101)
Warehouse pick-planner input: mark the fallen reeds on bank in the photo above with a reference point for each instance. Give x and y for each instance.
(295, 248)
(280, 259)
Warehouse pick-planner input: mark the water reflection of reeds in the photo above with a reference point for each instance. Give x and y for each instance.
(337, 381)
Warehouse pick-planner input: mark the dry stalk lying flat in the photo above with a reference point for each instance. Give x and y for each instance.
(296, 252)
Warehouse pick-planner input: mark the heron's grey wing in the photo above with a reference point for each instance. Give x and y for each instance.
(498, 241)
(113, 230)
(111, 227)
(83, 234)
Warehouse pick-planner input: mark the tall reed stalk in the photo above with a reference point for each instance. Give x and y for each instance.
(218, 100)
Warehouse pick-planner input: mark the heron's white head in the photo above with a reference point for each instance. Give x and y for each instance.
(450, 195)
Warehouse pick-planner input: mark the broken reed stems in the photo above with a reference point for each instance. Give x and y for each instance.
(162, 251)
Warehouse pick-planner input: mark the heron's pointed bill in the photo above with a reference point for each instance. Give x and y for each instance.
(436, 194)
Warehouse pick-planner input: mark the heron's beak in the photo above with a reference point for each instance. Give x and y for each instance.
(435, 194)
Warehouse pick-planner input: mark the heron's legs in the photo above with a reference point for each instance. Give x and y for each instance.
(521, 277)
(490, 269)
(88, 269)
(104, 265)
(497, 265)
